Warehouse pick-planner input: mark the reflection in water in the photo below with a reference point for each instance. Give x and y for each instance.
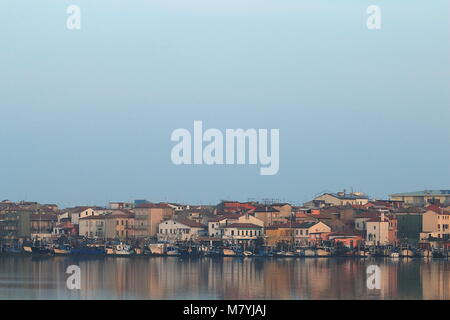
(227, 278)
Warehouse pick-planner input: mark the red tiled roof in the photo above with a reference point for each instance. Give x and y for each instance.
(436, 209)
(190, 223)
(368, 214)
(266, 209)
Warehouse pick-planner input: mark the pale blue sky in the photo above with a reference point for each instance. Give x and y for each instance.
(87, 115)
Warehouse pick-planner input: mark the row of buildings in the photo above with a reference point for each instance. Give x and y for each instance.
(349, 219)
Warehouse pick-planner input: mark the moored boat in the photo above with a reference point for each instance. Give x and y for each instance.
(61, 250)
(394, 255)
(122, 249)
(157, 248)
(323, 252)
(309, 252)
(406, 253)
(228, 252)
(247, 253)
(171, 251)
(88, 250)
(363, 253)
(27, 249)
(427, 253)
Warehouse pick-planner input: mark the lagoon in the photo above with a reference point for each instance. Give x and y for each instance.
(28, 277)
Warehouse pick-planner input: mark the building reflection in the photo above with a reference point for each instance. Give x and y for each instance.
(226, 278)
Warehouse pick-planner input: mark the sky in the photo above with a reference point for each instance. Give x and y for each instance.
(87, 115)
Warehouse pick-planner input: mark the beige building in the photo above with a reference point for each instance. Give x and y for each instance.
(377, 231)
(269, 215)
(284, 209)
(302, 231)
(421, 198)
(148, 216)
(119, 224)
(435, 224)
(342, 198)
(92, 226)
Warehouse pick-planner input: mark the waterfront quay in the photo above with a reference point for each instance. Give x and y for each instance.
(341, 224)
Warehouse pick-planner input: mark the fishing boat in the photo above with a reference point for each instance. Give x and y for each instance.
(427, 253)
(323, 252)
(363, 253)
(157, 248)
(120, 249)
(61, 250)
(407, 253)
(123, 249)
(171, 251)
(228, 252)
(27, 249)
(309, 252)
(88, 250)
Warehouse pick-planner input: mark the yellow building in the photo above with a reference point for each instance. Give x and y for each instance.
(435, 224)
(278, 234)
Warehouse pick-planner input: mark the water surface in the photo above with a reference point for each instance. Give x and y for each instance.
(25, 277)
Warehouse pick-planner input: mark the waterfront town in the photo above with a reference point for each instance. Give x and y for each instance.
(410, 224)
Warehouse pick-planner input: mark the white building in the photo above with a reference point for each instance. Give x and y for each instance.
(217, 225)
(242, 233)
(377, 231)
(180, 230)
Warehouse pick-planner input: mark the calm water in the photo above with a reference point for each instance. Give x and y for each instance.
(228, 278)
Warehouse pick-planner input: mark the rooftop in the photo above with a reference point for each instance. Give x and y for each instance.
(423, 193)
